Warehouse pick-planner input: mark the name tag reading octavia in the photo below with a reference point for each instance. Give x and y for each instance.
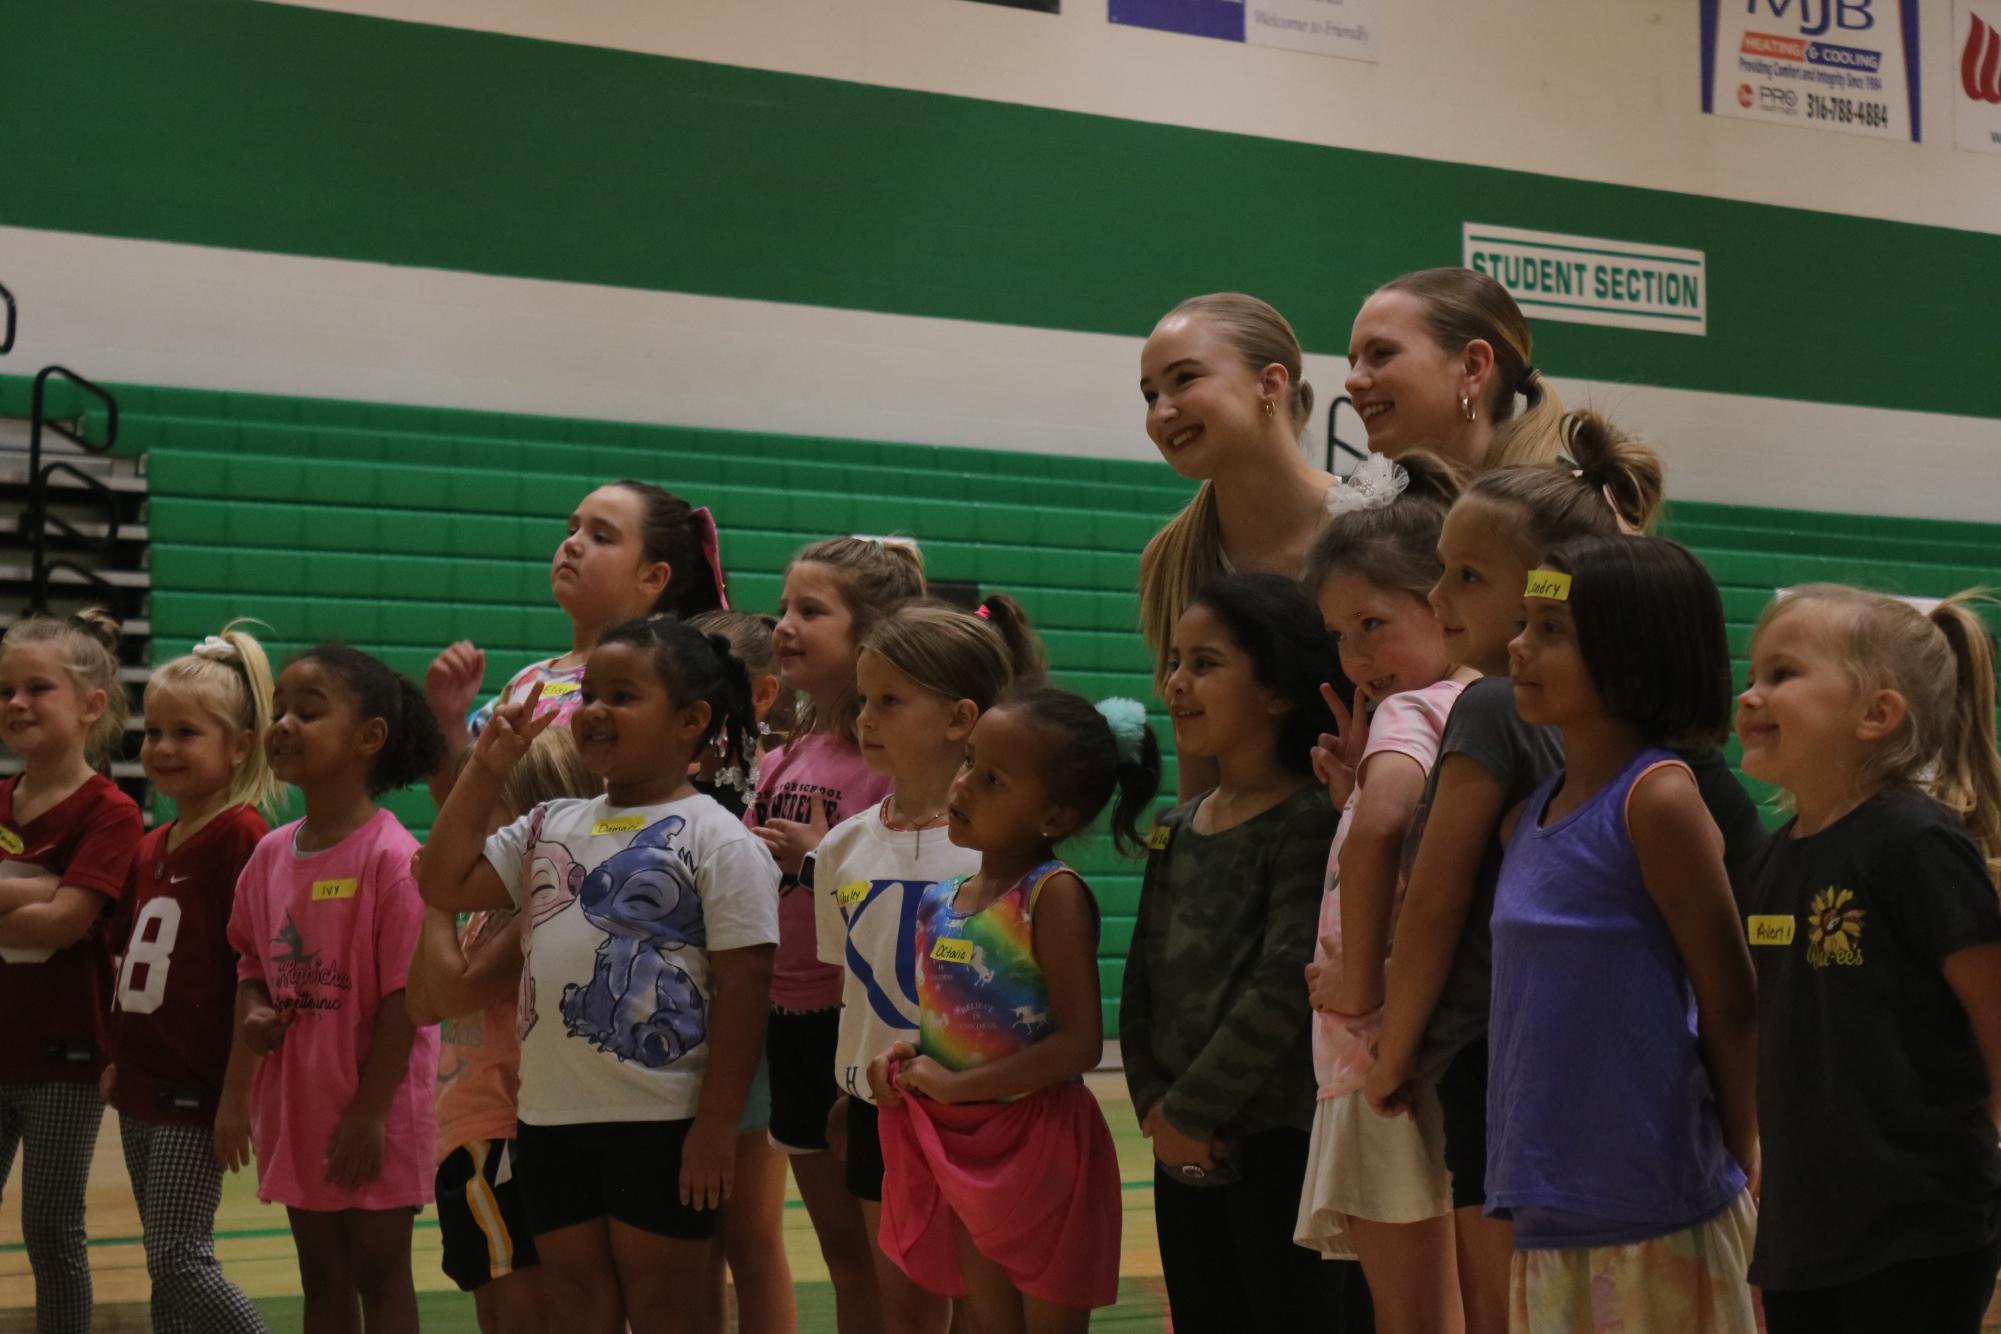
(324, 890)
(620, 824)
(1553, 585)
(953, 951)
(1769, 930)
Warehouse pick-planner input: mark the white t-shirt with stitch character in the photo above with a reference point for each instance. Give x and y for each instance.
(624, 904)
(867, 882)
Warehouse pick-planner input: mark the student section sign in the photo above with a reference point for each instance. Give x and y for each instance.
(1586, 280)
(1850, 66)
(1325, 27)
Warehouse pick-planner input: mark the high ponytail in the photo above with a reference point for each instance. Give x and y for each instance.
(230, 676)
(958, 654)
(1606, 482)
(1085, 766)
(1027, 660)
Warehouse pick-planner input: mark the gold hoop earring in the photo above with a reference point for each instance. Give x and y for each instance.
(1270, 411)
(1466, 407)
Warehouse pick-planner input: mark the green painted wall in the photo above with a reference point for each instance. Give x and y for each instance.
(275, 128)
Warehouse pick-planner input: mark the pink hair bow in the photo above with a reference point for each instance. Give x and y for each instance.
(705, 525)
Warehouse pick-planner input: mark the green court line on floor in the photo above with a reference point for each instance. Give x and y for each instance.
(422, 1224)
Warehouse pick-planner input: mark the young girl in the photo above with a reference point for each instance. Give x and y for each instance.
(207, 715)
(1213, 1024)
(1434, 1024)
(471, 980)
(925, 676)
(1621, 1137)
(835, 592)
(1001, 1184)
(650, 983)
(751, 1243)
(1376, 1186)
(67, 837)
(632, 550)
(1874, 927)
(325, 920)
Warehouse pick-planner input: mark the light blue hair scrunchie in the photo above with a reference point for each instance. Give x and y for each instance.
(1127, 719)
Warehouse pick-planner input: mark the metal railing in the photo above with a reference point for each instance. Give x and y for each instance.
(38, 518)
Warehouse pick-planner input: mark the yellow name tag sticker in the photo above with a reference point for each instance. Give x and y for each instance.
(1158, 838)
(852, 893)
(1551, 584)
(551, 689)
(1769, 929)
(953, 951)
(10, 842)
(323, 890)
(620, 824)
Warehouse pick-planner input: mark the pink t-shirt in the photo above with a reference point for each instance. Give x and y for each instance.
(809, 769)
(1409, 724)
(330, 934)
(479, 1059)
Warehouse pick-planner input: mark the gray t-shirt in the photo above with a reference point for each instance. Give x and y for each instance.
(1485, 728)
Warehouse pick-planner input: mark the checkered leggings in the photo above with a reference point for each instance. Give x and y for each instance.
(178, 1186)
(57, 1122)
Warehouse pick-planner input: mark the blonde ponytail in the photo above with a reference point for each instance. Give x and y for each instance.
(1970, 766)
(1178, 560)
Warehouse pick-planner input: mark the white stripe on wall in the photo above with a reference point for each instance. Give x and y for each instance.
(151, 313)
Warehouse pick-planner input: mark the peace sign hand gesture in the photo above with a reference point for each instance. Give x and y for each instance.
(1338, 758)
(509, 733)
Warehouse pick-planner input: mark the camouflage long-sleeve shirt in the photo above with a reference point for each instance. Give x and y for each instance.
(1213, 1016)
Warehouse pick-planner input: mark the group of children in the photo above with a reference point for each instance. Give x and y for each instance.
(1481, 968)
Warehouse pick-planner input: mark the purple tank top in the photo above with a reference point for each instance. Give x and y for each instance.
(1602, 1127)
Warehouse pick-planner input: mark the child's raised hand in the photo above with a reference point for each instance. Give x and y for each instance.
(354, 1154)
(788, 840)
(232, 1133)
(880, 1081)
(1339, 756)
(452, 682)
(264, 1028)
(509, 733)
(708, 1160)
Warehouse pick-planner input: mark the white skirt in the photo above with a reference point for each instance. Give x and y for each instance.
(1386, 1169)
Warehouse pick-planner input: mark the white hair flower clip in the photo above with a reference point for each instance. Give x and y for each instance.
(1376, 483)
(217, 649)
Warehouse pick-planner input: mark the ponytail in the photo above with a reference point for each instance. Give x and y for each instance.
(1970, 767)
(697, 666)
(230, 676)
(1137, 781)
(1605, 482)
(414, 747)
(1095, 752)
(1027, 662)
(1179, 559)
(1536, 436)
(958, 654)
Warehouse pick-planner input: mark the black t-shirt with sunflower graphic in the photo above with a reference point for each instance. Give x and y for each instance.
(1872, 1094)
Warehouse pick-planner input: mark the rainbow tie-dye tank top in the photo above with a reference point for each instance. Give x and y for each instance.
(982, 992)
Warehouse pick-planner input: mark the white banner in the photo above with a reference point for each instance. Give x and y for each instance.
(1589, 281)
(1976, 89)
(1850, 66)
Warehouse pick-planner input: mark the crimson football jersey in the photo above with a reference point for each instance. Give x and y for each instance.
(55, 1000)
(176, 996)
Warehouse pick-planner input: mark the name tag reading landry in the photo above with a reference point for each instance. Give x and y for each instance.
(853, 892)
(1769, 930)
(953, 951)
(620, 824)
(324, 890)
(1553, 585)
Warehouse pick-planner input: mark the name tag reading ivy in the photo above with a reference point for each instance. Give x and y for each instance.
(323, 890)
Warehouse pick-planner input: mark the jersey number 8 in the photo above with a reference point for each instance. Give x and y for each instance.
(153, 955)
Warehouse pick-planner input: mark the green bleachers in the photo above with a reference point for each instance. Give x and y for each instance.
(401, 528)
